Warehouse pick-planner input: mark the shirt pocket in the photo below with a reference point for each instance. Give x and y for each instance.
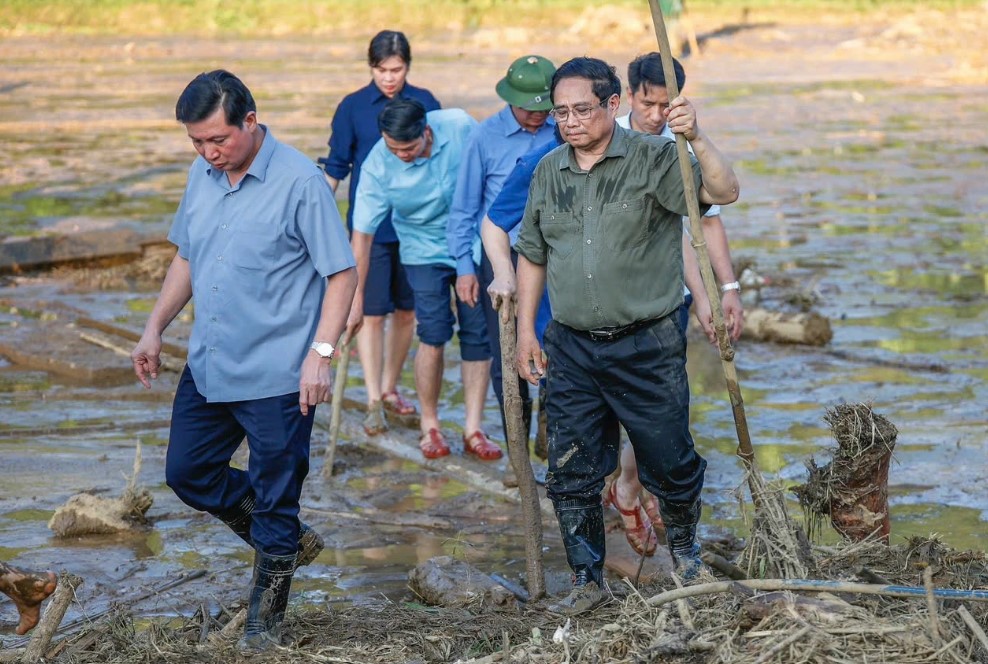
(255, 246)
(561, 232)
(624, 224)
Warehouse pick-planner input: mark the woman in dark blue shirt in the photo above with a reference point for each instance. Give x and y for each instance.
(387, 291)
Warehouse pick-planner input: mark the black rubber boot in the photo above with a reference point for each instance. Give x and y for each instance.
(240, 518)
(268, 600)
(680, 520)
(582, 528)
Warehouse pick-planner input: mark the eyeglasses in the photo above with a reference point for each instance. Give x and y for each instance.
(580, 111)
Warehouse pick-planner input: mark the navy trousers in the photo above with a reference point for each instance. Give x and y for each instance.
(202, 441)
(638, 381)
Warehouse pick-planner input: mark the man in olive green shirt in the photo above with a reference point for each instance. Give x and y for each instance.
(604, 225)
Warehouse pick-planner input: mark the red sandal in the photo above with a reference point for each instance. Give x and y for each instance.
(651, 507)
(397, 404)
(479, 445)
(433, 444)
(640, 534)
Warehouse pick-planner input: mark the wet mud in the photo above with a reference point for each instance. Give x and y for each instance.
(860, 147)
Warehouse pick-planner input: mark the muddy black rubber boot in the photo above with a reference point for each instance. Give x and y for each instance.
(582, 528)
(240, 518)
(268, 600)
(680, 520)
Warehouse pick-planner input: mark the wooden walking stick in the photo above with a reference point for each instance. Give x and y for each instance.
(770, 511)
(518, 448)
(342, 369)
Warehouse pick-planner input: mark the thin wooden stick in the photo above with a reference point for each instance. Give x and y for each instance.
(229, 630)
(789, 640)
(811, 585)
(52, 617)
(975, 627)
(518, 450)
(931, 605)
(342, 371)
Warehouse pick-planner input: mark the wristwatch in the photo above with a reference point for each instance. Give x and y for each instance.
(324, 349)
(734, 285)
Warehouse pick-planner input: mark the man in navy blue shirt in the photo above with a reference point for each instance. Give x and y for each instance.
(387, 291)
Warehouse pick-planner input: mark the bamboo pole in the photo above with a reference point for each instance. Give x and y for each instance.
(518, 450)
(745, 450)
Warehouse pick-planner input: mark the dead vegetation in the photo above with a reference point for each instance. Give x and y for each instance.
(732, 627)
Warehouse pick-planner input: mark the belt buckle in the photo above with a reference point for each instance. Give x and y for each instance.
(602, 335)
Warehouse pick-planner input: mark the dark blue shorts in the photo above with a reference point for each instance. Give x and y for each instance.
(387, 285)
(433, 286)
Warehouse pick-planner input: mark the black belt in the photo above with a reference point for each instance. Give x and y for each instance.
(614, 333)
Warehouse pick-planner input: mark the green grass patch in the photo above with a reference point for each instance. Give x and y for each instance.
(281, 17)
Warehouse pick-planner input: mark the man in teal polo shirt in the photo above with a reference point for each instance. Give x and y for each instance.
(603, 224)
(411, 175)
(263, 252)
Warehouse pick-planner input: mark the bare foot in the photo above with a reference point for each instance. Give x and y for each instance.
(28, 590)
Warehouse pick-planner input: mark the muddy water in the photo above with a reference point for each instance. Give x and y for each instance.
(863, 193)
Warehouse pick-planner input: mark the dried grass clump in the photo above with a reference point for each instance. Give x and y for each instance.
(776, 548)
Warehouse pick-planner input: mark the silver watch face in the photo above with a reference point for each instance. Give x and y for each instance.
(322, 348)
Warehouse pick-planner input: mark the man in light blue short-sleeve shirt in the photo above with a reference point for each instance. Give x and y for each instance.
(263, 253)
(411, 174)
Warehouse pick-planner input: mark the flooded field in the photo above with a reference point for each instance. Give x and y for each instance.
(862, 155)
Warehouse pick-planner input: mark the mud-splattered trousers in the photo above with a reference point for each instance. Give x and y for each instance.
(638, 381)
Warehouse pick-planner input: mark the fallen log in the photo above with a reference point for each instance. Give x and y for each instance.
(810, 329)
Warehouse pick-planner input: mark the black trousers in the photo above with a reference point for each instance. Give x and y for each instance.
(638, 381)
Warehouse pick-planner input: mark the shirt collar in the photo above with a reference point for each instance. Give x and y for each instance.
(376, 94)
(439, 141)
(259, 166)
(510, 123)
(618, 147)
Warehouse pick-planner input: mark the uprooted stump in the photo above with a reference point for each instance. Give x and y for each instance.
(445, 581)
(86, 514)
(853, 488)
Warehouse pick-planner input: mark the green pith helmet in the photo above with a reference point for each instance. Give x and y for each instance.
(526, 85)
